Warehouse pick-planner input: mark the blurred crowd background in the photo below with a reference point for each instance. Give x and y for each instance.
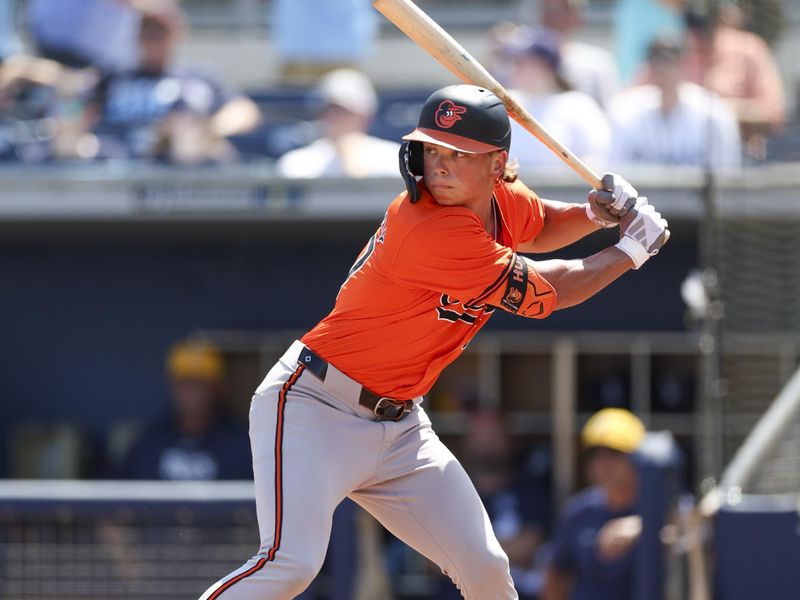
(687, 82)
(132, 351)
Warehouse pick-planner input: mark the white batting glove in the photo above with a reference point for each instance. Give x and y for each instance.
(611, 202)
(643, 232)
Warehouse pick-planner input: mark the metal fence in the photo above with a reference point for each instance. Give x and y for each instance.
(121, 541)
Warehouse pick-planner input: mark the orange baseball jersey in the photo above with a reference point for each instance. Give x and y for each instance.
(425, 284)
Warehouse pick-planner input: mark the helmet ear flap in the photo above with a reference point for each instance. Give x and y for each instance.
(411, 167)
(415, 160)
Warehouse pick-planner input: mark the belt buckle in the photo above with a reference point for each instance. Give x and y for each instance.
(387, 409)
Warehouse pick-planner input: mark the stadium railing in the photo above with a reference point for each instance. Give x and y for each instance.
(165, 540)
(109, 540)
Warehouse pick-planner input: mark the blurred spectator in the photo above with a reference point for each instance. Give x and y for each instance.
(32, 93)
(500, 38)
(517, 512)
(671, 121)
(163, 112)
(196, 441)
(9, 39)
(347, 106)
(766, 18)
(588, 68)
(80, 33)
(636, 24)
(187, 137)
(21, 68)
(739, 66)
(315, 36)
(572, 117)
(598, 528)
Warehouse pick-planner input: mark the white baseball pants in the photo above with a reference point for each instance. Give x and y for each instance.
(313, 445)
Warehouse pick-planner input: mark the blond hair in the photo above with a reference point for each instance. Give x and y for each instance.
(511, 172)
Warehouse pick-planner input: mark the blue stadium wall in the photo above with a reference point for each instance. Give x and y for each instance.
(87, 312)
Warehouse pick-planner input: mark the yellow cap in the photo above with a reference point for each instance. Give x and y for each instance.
(614, 428)
(195, 359)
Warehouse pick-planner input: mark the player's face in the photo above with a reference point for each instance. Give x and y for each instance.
(460, 179)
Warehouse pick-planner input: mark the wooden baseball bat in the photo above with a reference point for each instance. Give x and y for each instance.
(412, 21)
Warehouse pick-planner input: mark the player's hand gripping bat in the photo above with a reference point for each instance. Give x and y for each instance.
(412, 21)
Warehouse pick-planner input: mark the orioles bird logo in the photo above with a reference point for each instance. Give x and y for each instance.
(513, 296)
(448, 113)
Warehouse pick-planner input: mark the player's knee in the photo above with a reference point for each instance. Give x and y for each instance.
(302, 571)
(487, 577)
(496, 570)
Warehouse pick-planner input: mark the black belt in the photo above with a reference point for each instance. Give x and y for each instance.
(386, 409)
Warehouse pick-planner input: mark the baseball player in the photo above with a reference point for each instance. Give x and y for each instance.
(340, 415)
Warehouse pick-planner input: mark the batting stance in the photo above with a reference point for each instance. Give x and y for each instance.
(340, 415)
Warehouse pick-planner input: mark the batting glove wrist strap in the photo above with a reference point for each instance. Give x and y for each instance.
(644, 231)
(634, 250)
(597, 220)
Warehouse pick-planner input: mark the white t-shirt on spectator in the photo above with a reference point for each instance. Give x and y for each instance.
(574, 119)
(369, 157)
(701, 130)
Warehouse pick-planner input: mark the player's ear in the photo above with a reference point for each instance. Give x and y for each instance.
(502, 161)
(411, 165)
(498, 164)
(499, 160)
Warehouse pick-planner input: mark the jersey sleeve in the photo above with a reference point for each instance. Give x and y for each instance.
(453, 254)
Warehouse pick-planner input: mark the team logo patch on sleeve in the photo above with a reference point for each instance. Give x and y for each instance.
(516, 285)
(513, 297)
(448, 114)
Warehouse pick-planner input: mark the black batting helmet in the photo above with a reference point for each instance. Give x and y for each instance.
(466, 118)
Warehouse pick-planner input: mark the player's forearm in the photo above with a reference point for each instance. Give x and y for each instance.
(578, 280)
(564, 224)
